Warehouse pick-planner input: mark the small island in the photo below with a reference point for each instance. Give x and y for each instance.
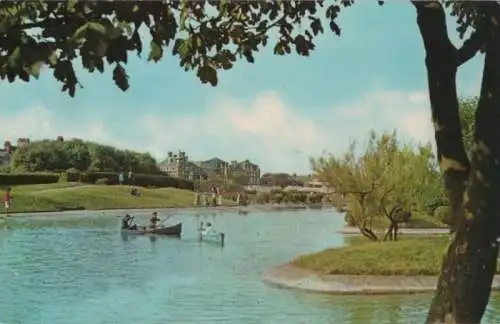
(410, 265)
(390, 192)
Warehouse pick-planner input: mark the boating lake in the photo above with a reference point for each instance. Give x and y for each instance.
(79, 269)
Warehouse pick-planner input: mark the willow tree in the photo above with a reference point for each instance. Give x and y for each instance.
(208, 36)
(387, 179)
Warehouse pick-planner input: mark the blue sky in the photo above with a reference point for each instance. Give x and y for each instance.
(276, 112)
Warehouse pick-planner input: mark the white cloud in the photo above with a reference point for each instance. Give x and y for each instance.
(265, 130)
(39, 122)
(408, 112)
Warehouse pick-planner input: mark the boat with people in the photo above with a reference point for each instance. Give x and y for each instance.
(174, 230)
(130, 227)
(207, 232)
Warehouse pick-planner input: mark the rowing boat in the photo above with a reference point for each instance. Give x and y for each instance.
(214, 237)
(210, 235)
(174, 230)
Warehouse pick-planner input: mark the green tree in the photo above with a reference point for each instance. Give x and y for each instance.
(54, 155)
(211, 35)
(77, 154)
(467, 113)
(388, 176)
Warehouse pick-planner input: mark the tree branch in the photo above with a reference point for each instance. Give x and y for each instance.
(472, 45)
(488, 11)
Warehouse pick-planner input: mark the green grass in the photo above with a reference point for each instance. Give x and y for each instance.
(417, 221)
(410, 256)
(74, 196)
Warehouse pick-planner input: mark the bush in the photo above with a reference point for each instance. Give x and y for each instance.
(295, 196)
(63, 177)
(349, 219)
(316, 198)
(142, 180)
(102, 181)
(73, 175)
(14, 179)
(262, 198)
(442, 213)
(277, 198)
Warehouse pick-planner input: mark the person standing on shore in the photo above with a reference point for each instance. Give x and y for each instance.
(121, 178)
(7, 200)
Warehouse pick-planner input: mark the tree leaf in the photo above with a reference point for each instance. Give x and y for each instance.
(101, 48)
(156, 51)
(80, 33)
(14, 57)
(207, 74)
(95, 26)
(136, 38)
(52, 58)
(34, 69)
(335, 28)
(120, 77)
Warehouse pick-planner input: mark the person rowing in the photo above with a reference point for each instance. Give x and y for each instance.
(153, 221)
(127, 222)
(208, 229)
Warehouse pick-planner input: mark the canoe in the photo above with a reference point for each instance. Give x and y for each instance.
(174, 230)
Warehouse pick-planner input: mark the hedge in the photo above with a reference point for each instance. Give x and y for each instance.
(72, 175)
(290, 196)
(13, 179)
(142, 180)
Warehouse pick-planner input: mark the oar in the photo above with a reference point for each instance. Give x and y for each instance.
(167, 218)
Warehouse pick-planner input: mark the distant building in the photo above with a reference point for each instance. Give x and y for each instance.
(4, 158)
(179, 166)
(9, 149)
(214, 167)
(246, 168)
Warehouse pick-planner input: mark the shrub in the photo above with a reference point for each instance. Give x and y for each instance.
(63, 177)
(102, 181)
(13, 179)
(277, 198)
(349, 219)
(73, 175)
(142, 180)
(316, 198)
(295, 196)
(262, 198)
(442, 213)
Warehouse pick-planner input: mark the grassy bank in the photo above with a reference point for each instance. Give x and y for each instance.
(74, 196)
(418, 220)
(411, 256)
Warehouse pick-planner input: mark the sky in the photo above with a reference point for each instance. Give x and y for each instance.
(277, 112)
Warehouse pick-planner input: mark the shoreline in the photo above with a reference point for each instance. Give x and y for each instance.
(289, 276)
(354, 231)
(163, 209)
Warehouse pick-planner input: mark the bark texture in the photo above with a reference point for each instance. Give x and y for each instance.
(473, 187)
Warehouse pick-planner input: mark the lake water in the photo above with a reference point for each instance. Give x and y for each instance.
(80, 270)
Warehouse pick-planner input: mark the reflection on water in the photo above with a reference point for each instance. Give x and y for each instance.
(83, 270)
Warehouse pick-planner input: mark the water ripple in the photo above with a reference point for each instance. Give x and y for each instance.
(81, 271)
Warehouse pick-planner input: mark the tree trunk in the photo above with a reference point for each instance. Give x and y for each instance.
(464, 285)
(389, 233)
